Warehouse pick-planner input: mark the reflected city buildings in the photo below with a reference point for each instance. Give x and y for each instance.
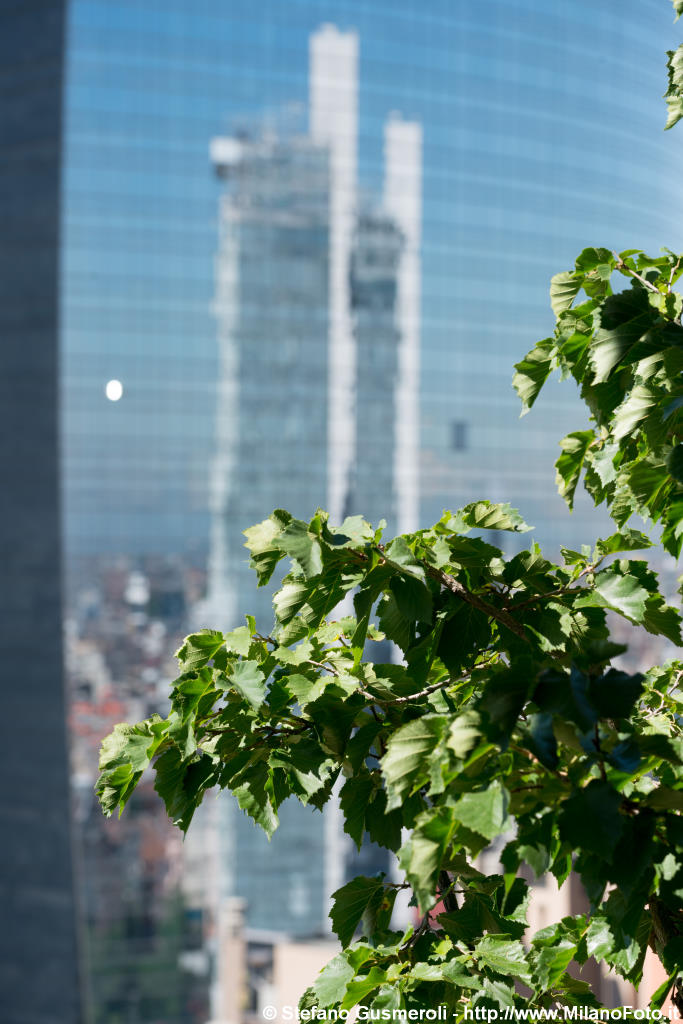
(317, 309)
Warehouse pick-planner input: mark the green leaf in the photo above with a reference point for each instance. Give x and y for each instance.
(238, 641)
(637, 407)
(590, 819)
(393, 622)
(464, 733)
(665, 799)
(624, 540)
(351, 902)
(406, 764)
(422, 854)
(570, 463)
(564, 288)
(249, 681)
(614, 694)
(354, 798)
(297, 542)
(532, 373)
(674, 463)
(623, 593)
(360, 987)
(624, 319)
(600, 940)
(261, 542)
(540, 738)
(504, 955)
(399, 552)
(254, 792)
(463, 634)
(503, 698)
(181, 786)
(199, 648)
(488, 515)
(484, 811)
(413, 598)
(674, 92)
(602, 461)
(132, 745)
(306, 690)
(331, 984)
(550, 963)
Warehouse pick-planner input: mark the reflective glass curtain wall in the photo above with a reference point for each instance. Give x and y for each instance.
(531, 148)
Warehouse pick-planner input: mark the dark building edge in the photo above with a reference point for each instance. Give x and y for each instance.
(39, 973)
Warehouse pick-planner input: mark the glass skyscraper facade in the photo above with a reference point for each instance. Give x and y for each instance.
(534, 142)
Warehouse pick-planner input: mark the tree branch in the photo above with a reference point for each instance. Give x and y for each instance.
(457, 588)
(430, 689)
(647, 284)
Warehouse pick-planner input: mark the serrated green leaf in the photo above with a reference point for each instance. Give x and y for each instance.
(600, 941)
(249, 681)
(253, 788)
(484, 811)
(614, 694)
(354, 798)
(299, 543)
(541, 740)
(199, 648)
(400, 553)
(550, 963)
(463, 634)
(487, 515)
(674, 463)
(674, 92)
(532, 373)
(637, 407)
(406, 764)
(503, 955)
(564, 288)
(570, 463)
(239, 640)
(306, 690)
(624, 540)
(331, 984)
(422, 854)
(351, 902)
(261, 542)
(361, 987)
(602, 461)
(624, 319)
(413, 598)
(623, 593)
(181, 786)
(393, 622)
(590, 819)
(464, 733)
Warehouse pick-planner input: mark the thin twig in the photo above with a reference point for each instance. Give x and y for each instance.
(457, 588)
(672, 274)
(433, 688)
(647, 284)
(324, 666)
(555, 593)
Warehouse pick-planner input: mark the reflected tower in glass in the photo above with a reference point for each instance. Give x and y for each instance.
(316, 309)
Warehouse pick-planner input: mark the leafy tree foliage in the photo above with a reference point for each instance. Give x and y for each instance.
(503, 718)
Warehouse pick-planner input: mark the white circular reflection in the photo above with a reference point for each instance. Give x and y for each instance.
(113, 390)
